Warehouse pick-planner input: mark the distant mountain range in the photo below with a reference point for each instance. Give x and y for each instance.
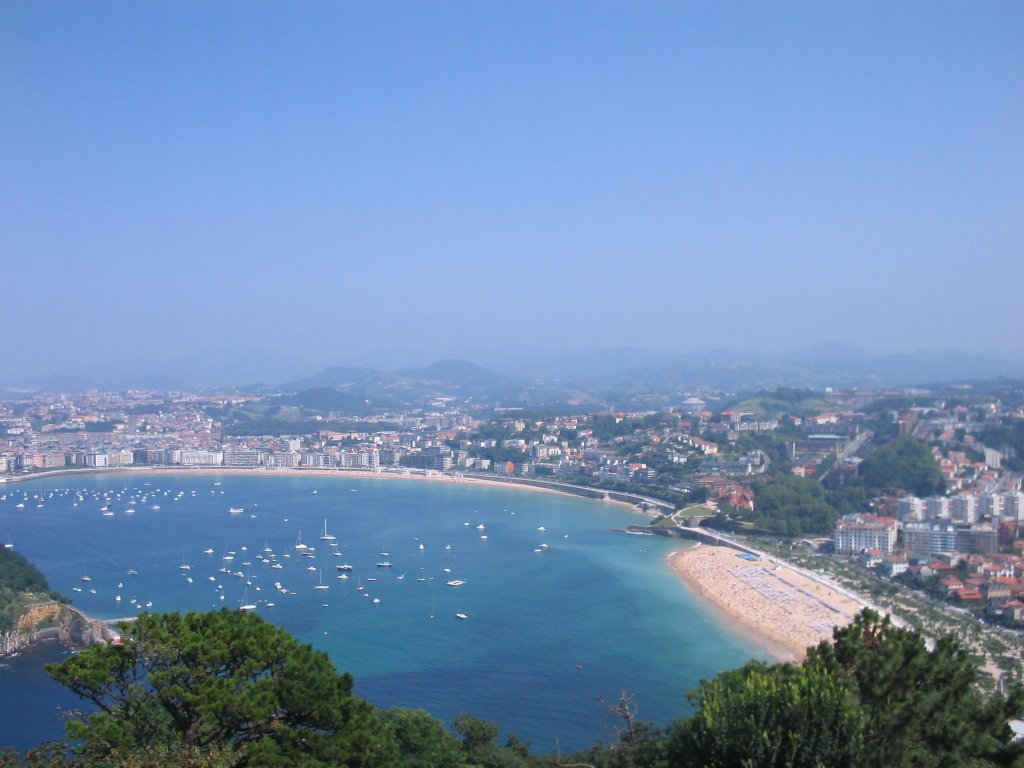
(836, 364)
(613, 376)
(624, 377)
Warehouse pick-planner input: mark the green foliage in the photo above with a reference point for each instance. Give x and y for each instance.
(770, 717)
(422, 739)
(354, 403)
(223, 690)
(848, 500)
(637, 745)
(276, 426)
(906, 463)
(920, 708)
(228, 681)
(479, 748)
(783, 400)
(17, 577)
(499, 455)
(793, 506)
(606, 428)
(1009, 434)
(56, 755)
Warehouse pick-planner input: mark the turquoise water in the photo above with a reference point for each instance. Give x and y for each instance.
(560, 610)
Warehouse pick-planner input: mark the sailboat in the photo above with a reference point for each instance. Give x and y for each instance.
(298, 542)
(246, 605)
(321, 585)
(327, 536)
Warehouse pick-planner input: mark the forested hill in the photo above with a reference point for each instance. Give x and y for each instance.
(19, 579)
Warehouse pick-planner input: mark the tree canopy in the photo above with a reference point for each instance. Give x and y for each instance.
(791, 505)
(227, 681)
(921, 708)
(770, 717)
(905, 463)
(223, 690)
(17, 577)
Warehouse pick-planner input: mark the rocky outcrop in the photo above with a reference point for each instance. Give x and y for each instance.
(36, 616)
(51, 621)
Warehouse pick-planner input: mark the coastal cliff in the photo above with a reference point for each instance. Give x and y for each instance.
(49, 621)
(30, 611)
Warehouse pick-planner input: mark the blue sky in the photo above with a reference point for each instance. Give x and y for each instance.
(346, 181)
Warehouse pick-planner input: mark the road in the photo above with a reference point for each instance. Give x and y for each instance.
(855, 445)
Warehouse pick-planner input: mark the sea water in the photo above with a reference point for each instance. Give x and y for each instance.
(561, 612)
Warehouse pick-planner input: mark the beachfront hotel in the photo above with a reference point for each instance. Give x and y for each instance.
(857, 532)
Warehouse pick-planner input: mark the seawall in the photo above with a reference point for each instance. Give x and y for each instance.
(694, 534)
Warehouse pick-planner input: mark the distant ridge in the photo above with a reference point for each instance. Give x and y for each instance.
(828, 364)
(537, 377)
(457, 375)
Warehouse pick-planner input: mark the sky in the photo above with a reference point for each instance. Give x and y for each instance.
(391, 181)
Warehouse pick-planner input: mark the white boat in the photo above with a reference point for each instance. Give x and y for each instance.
(344, 567)
(456, 583)
(461, 616)
(321, 585)
(207, 551)
(298, 542)
(235, 510)
(87, 578)
(384, 564)
(327, 536)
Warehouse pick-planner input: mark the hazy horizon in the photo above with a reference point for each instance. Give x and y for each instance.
(392, 184)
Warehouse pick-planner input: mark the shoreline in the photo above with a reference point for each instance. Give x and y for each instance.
(732, 601)
(779, 607)
(412, 474)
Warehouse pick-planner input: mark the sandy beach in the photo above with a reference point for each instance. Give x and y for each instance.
(782, 608)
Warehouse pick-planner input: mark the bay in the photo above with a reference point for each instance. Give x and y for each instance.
(560, 610)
